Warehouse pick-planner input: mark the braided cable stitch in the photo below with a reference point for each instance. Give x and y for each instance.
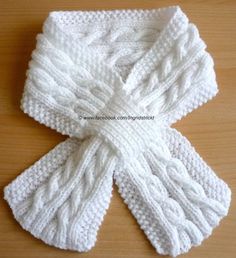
(121, 63)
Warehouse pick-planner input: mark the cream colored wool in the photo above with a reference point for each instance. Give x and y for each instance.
(119, 63)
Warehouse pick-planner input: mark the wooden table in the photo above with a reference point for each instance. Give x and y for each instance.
(211, 128)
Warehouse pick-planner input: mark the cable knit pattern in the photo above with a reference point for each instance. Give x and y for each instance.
(117, 64)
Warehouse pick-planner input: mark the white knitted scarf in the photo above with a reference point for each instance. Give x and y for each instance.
(101, 77)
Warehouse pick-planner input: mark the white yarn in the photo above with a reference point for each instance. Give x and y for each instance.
(119, 63)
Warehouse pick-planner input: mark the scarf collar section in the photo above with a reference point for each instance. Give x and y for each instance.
(146, 53)
(165, 23)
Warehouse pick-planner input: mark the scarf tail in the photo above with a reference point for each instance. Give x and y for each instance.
(175, 197)
(63, 197)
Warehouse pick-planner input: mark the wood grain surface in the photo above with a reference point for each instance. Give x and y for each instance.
(211, 128)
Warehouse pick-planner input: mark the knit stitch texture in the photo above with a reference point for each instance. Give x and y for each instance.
(121, 63)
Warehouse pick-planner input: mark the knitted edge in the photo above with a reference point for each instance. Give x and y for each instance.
(49, 116)
(88, 16)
